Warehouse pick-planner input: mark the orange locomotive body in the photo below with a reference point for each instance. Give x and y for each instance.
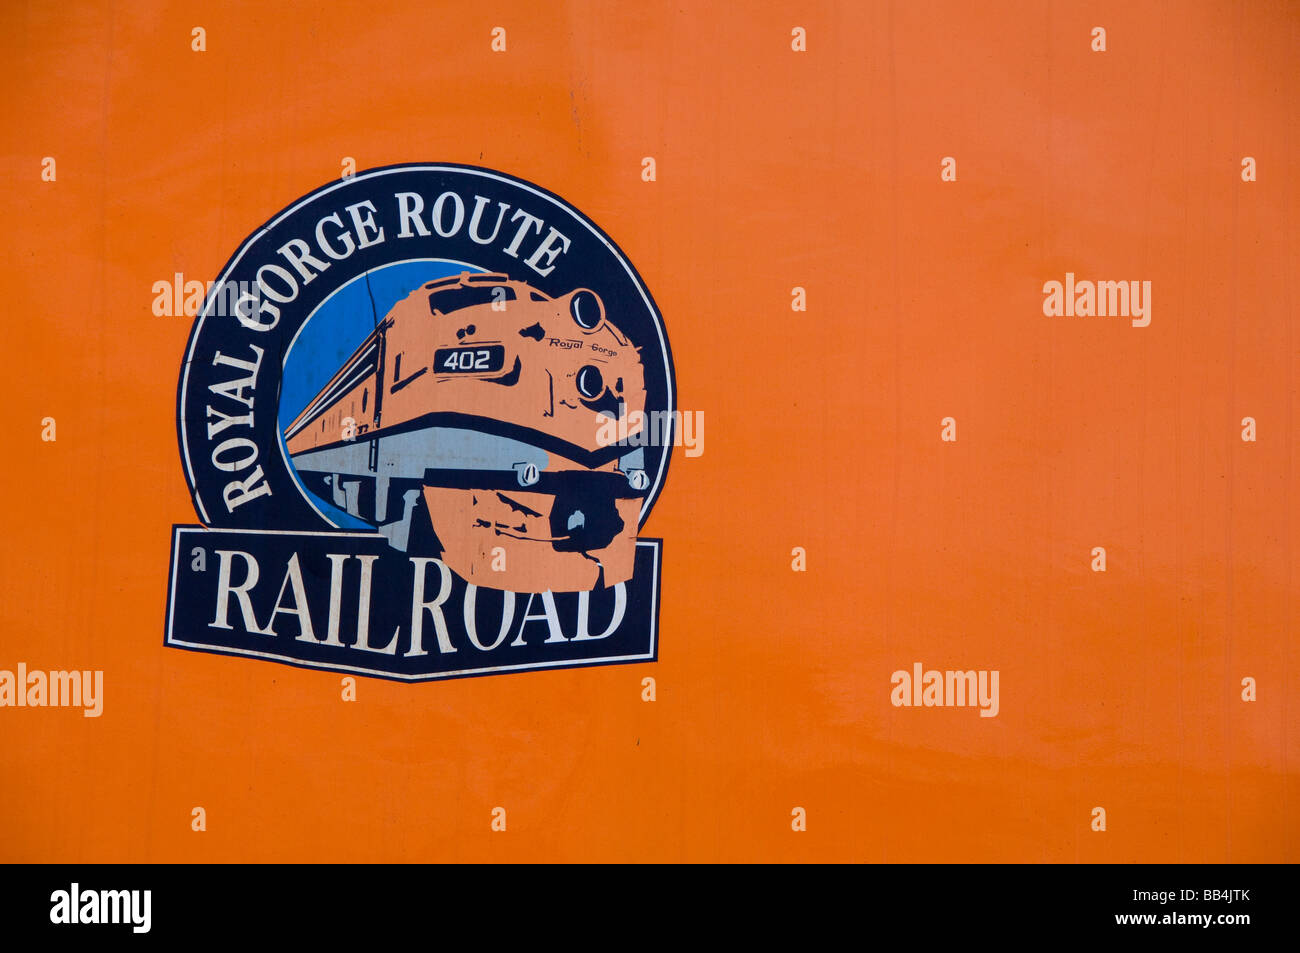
(468, 425)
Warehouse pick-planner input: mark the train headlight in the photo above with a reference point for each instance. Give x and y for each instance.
(590, 383)
(587, 309)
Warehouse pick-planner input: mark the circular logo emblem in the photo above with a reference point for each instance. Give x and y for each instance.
(446, 356)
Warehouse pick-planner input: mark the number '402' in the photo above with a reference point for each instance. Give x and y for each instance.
(467, 360)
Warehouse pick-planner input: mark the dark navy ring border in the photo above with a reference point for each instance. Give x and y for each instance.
(565, 203)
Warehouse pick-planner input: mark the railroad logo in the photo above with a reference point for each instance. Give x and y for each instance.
(394, 417)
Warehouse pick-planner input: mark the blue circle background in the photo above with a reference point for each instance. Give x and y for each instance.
(334, 330)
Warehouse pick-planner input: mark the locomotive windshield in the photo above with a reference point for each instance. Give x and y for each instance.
(453, 299)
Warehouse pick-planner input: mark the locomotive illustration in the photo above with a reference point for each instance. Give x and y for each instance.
(466, 425)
